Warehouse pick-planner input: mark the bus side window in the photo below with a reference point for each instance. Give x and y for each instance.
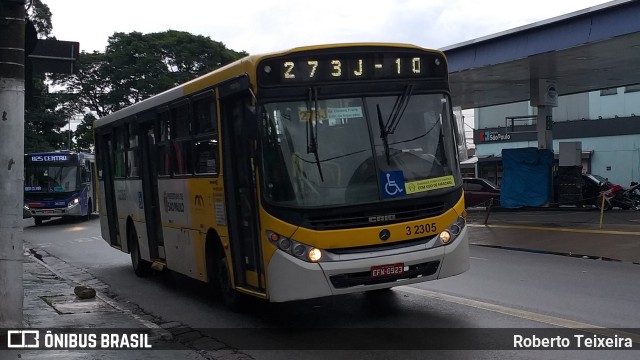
(205, 123)
(181, 139)
(119, 163)
(83, 174)
(88, 169)
(163, 147)
(132, 151)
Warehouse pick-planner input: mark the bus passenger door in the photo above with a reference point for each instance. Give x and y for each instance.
(149, 176)
(239, 181)
(107, 151)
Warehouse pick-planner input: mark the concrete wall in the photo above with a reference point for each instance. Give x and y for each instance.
(621, 105)
(616, 157)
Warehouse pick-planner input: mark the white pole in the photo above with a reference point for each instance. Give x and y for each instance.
(12, 55)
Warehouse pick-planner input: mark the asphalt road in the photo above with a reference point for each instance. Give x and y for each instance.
(504, 289)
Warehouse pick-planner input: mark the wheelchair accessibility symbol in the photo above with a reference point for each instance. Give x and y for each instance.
(392, 184)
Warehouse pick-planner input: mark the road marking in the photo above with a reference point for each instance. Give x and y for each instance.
(478, 258)
(85, 239)
(523, 314)
(591, 231)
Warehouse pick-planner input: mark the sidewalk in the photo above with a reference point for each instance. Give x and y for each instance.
(51, 304)
(563, 231)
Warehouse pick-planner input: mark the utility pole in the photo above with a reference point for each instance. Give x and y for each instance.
(12, 58)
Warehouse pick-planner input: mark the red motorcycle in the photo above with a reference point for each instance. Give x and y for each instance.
(617, 196)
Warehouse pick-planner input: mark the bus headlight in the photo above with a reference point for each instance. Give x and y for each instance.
(73, 203)
(445, 237)
(301, 251)
(451, 233)
(315, 254)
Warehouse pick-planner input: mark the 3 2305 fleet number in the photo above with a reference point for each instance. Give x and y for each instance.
(421, 229)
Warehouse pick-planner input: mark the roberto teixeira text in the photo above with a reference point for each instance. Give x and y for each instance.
(41, 339)
(576, 341)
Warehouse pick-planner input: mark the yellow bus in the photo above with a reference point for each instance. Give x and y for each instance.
(312, 172)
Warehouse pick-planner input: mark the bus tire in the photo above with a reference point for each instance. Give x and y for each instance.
(38, 221)
(230, 297)
(141, 267)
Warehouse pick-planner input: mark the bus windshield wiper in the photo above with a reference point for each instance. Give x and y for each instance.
(383, 134)
(398, 110)
(312, 128)
(394, 118)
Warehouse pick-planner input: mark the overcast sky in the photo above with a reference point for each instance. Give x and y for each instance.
(257, 26)
(263, 26)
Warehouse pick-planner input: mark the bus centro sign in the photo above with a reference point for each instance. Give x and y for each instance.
(486, 136)
(46, 158)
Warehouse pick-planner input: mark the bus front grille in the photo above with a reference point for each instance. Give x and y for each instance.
(344, 281)
(363, 218)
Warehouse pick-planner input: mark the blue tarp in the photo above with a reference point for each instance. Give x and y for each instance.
(526, 179)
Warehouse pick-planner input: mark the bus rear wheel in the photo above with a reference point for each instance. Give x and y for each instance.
(141, 267)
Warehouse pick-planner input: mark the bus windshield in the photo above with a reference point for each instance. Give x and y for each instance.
(357, 150)
(51, 179)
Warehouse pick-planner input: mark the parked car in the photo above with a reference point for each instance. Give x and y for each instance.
(480, 192)
(590, 188)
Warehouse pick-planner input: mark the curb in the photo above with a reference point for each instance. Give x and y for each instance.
(158, 333)
(559, 253)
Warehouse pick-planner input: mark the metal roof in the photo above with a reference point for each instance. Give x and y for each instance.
(595, 48)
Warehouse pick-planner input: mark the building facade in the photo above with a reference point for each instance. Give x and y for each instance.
(606, 123)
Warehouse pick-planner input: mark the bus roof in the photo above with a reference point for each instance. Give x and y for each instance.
(237, 68)
(69, 152)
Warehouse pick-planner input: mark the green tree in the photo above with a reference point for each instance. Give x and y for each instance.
(142, 65)
(40, 16)
(43, 115)
(84, 134)
(136, 66)
(43, 120)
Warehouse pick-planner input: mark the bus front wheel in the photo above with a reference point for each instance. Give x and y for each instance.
(38, 221)
(141, 267)
(230, 296)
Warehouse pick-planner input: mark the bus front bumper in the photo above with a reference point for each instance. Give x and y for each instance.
(292, 279)
(53, 212)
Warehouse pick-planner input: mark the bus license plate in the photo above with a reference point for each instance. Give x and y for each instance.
(387, 270)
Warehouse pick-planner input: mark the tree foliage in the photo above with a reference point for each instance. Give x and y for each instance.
(136, 66)
(40, 16)
(44, 117)
(43, 120)
(84, 134)
(133, 67)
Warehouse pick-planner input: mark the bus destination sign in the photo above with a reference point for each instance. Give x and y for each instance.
(323, 68)
(49, 158)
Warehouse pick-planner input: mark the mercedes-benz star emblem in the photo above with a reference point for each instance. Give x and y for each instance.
(384, 234)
